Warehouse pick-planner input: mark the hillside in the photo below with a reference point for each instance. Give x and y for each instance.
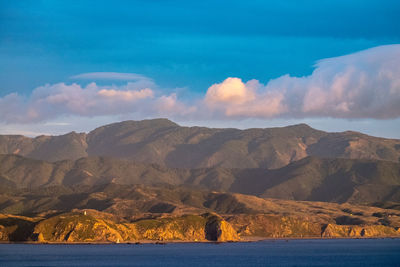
(139, 201)
(332, 180)
(98, 200)
(273, 218)
(165, 143)
(93, 226)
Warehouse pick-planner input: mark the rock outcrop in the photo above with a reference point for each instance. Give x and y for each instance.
(271, 226)
(76, 227)
(96, 226)
(217, 229)
(16, 228)
(81, 227)
(333, 230)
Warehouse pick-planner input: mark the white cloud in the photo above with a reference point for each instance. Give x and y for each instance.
(360, 85)
(57, 124)
(113, 94)
(232, 97)
(51, 101)
(171, 106)
(232, 90)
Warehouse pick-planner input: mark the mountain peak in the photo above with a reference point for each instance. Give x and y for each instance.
(159, 121)
(300, 125)
(153, 123)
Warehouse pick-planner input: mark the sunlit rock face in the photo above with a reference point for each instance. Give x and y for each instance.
(332, 230)
(217, 229)
(78, 227)
(95, 226)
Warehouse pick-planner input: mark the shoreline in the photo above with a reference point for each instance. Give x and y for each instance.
(153, 242)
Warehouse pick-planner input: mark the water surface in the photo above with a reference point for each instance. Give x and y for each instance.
(337, 252)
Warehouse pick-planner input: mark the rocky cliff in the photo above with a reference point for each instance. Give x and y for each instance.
(89, 227)
(332, 230)
(270, 226)
(94, 226)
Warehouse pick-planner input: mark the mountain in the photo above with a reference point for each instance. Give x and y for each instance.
(165, 143)
(331, 180)
(155, 180)
(312, 179)
(50, 148)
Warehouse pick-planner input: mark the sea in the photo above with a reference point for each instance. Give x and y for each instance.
(304, 252)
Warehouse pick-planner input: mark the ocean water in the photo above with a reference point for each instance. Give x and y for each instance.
(336, 252)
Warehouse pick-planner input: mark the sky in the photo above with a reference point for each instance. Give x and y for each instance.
(76, 65)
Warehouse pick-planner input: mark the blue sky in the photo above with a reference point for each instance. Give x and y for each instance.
(183, 47)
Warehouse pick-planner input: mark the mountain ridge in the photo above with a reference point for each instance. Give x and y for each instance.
(164, 142)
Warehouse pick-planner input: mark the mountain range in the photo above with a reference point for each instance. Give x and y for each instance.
(165, 143)
(154, 176)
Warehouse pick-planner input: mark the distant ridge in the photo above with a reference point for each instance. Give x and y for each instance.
(164, 142)
(312, 179)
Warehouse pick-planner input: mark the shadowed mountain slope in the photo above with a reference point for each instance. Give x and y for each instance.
(314, 179)
(331, 180)
(51, 148)
(165, 143)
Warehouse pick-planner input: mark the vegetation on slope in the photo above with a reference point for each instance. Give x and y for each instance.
(165, 143)
(332, 180)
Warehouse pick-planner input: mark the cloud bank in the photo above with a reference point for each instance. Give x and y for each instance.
(360, 85)
(365, 84)
(51, 101)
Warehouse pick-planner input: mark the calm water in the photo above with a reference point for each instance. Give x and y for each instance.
(350, 252)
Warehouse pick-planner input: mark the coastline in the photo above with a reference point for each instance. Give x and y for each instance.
(154, 242)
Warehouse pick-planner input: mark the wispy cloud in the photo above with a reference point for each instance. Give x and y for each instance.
(109, 76)
(360, 85)
(57, 124)
(133, 79)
